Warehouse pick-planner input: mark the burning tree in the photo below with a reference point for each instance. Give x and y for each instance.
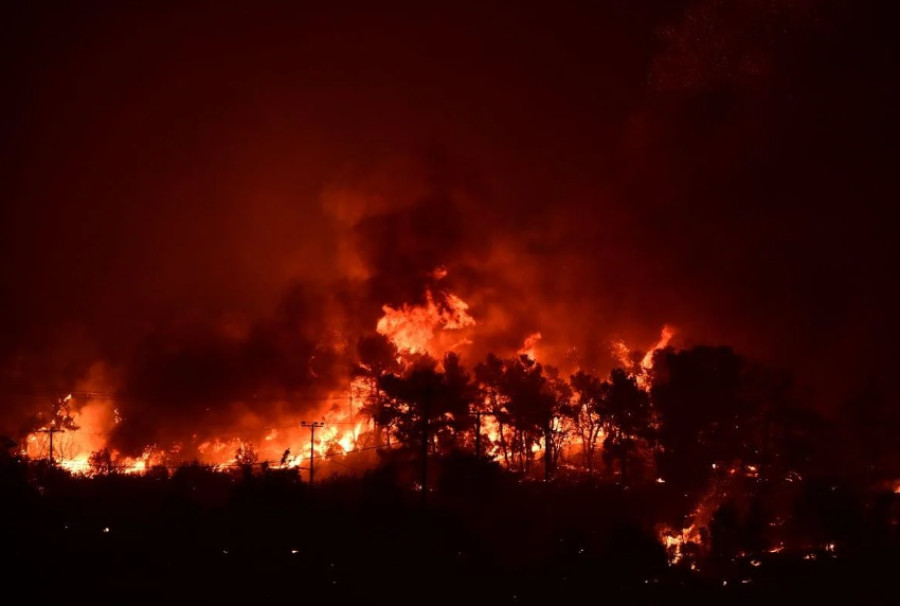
(246, 455)
(425, 404)
(100, 462)
(377, 357)
(587, 413)
(629, 419)
(488, 375)
(532, 406)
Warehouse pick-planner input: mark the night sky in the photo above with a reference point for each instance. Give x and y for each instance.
(175, 170)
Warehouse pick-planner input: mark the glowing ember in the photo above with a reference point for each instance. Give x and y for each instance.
(694, 536)
(676, 542)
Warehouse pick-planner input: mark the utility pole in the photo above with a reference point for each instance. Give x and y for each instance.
(312, 440)
(51, 430)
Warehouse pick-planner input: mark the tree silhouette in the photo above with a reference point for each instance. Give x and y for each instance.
(558, 435)
(100, 462)
(531, 404)
(871, 426)
(704, 415)
(246, 457)
(377, 357)
(784, 435)
(587, 413)
(489, 375)
(627, 409)
(454, 400)
(425, 394)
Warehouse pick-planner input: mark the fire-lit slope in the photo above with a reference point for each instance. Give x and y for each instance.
(272, 434)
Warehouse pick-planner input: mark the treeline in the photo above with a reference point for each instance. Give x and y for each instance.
(700, 441)
(686, 418)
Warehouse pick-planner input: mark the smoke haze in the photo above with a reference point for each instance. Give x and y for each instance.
(213, 202)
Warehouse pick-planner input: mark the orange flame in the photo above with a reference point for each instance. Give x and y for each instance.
(529, 347)
(641, 370)
(413, 328)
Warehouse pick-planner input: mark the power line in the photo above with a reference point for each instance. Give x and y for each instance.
(51, 431)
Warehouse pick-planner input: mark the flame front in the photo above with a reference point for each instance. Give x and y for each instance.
(438, 326)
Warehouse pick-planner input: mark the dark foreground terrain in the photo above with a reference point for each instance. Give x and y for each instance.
(194, 536)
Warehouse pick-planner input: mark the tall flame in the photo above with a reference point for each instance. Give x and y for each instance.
(414, 328)
(529, 347)
(641, 370)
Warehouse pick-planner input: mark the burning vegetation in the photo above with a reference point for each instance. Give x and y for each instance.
(586, 301)
(718, 439)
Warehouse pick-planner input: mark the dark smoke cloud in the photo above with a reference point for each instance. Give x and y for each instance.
(195, 380)
(218, 200)
(771, 134)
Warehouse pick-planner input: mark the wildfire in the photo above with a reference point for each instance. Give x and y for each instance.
(641, 369)
(677, 542)
(529, 347)
(81, 448)
(77, 431)
(664, 337)
(414, 328)
(434, 328)
(694, 536)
